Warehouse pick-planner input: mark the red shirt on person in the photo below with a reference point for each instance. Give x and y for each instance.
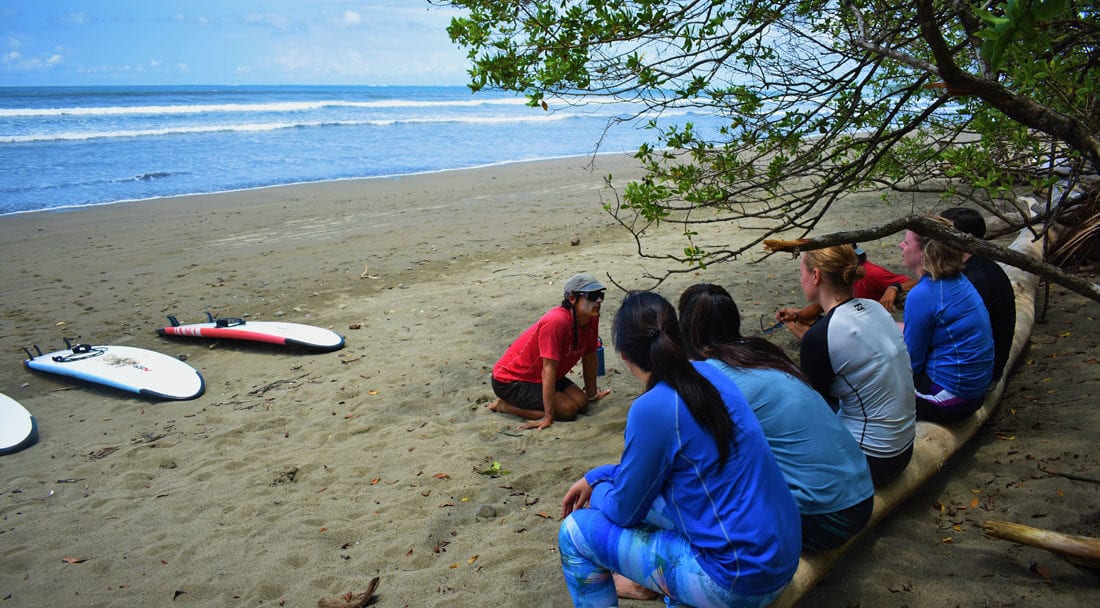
(875, 281)
(551, 337)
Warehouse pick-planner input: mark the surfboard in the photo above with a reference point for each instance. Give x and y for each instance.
(18, 429)
(308, 337)
(136, 370)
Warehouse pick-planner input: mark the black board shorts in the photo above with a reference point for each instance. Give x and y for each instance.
(526, 395)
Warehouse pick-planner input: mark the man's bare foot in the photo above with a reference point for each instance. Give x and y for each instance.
(629, 590)
(494, 405)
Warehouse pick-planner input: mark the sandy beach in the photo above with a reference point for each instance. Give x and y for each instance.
(300, 476)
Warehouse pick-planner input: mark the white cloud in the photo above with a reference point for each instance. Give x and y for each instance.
(55, 59)
(12, 56)
(274, 20)
(80, 17)
(352, 19)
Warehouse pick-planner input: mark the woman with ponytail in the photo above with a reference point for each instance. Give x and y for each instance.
(697, 509)
(824, 467)
(856, 358)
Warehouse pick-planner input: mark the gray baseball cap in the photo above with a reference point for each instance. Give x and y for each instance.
(582, 282)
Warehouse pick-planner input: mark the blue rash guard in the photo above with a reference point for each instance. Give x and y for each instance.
(948, 335)
(822, 462)
(740, 518)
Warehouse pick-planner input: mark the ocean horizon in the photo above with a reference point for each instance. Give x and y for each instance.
(71, 147)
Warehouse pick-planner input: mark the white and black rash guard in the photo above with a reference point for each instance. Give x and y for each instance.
(856, 358)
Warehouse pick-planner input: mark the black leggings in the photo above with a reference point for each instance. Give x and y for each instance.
(884, 470)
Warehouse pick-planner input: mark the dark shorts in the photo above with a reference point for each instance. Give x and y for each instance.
(526, 395)
(831, 530)
(937, 404)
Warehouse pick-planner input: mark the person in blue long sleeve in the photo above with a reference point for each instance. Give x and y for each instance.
(697, 509)
(947, 332)
(824, 467)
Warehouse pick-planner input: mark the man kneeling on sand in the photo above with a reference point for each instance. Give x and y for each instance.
(529, 380)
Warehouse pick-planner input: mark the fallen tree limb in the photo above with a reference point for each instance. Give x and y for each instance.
(1080, 550)
(935, 444)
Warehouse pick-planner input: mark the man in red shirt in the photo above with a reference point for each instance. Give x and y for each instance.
(530, 379)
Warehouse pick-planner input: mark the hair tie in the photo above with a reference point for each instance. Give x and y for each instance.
(653, 333)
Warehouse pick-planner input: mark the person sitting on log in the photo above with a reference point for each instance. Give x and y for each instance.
(821, 461)
(947, 332)
(992, 284)
(856, 358)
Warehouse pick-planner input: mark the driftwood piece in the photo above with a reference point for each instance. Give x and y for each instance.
(351, 600)
(935, 444)
(1080, 550)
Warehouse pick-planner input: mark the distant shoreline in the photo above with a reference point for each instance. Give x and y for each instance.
(71, 208)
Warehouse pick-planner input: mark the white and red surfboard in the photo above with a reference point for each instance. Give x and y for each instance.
(308, 337)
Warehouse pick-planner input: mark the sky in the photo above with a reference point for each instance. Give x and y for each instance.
(135, 42)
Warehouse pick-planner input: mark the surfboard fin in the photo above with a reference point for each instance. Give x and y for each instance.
(173, 320)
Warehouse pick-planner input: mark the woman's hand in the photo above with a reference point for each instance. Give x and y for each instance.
(539, 424)
(576, 497)
(788, 315)
(889, 297)
(600, 394)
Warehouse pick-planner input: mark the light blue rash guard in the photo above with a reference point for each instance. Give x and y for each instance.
(741, 517)
(949, 336)
(824, 467)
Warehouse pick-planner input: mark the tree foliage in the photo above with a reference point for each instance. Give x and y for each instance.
(818, 98)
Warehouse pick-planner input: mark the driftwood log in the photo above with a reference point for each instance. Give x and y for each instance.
(935, 444)
(1080, 550)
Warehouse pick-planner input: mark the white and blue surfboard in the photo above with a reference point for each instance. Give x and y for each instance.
(135, 370)
(18, 428)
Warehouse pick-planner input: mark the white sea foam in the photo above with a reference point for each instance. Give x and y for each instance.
(275, 126)
(284, 106)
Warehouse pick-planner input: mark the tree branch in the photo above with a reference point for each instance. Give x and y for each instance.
(1017, 107)
(928, 227)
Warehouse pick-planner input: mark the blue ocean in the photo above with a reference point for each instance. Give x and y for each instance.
(66, 147)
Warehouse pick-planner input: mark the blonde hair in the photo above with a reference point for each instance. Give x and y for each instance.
(940, 261)
(839, 265)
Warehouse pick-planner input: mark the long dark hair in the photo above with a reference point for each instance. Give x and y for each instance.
(712, 330)
(647, 334)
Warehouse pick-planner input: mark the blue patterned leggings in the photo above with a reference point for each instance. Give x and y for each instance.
(652, 554)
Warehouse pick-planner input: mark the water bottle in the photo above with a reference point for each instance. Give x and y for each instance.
(599, 357)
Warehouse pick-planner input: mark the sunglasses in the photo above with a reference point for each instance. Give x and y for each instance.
(592, 296)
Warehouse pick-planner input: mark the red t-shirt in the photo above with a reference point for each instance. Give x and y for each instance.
(551, 337)
(875, 281)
